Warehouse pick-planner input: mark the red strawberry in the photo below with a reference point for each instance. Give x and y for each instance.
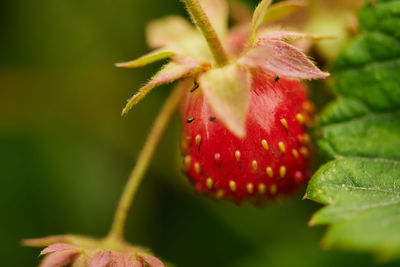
(271, 160)
(243, 135)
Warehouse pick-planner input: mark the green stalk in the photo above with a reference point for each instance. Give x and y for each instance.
(117, 229)
(201, 20)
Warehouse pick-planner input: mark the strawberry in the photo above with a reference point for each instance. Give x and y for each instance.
(270, 161)
(244, 134)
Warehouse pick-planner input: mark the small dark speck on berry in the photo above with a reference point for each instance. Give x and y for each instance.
(190, 120)
(195, 86)
(213, 119)
(277, 78)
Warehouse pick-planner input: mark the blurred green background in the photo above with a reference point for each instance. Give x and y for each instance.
(65, 152)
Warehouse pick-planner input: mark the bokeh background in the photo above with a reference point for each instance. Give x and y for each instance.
(65, 152)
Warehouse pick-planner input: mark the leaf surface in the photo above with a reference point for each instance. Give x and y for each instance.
(361, 130)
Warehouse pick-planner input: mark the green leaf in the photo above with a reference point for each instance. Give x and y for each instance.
(149, 58)
(364, 199)
(228, 89)
(361, 187)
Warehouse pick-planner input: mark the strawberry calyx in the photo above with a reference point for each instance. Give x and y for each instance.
(225, 83)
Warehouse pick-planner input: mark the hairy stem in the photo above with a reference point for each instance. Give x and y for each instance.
(125, 203)
(200, 18)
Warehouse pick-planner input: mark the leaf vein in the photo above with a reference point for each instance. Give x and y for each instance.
(377, 189)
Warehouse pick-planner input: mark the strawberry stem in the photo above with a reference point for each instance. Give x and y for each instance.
(201, 20)
(117, 229)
